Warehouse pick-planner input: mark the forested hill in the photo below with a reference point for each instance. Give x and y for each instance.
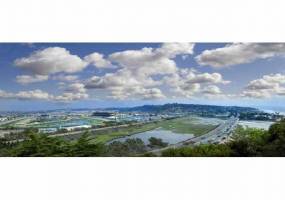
(193, 108)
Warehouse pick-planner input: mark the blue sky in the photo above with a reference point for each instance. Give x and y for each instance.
(43, 76)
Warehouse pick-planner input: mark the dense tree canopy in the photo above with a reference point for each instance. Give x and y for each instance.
(40, 145)
(156, 142)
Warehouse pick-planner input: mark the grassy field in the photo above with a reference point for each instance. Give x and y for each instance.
(185, 125)
(106, 136)
(29, 123)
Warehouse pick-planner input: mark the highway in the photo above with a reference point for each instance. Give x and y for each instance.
(11, 121)
(217, 135)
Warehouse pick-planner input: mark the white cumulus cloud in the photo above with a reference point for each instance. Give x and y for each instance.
(26, 95)
(27, 79)
(70, 96)
(98, 60)
(33, 94)
(265, 87)
(212, 90)
(76, 88)
(65, 78)
(150, 61)
(42, 95)
(137, 69)
(188, 82)
(239, 53)
(50, 61)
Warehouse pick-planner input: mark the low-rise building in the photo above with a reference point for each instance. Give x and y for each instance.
(103, 114)
(47, 130)
(71, 128)
(2, 119)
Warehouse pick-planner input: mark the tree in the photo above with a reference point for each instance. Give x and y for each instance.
(275, 140)
(248, 142)
(84, 147)
(44, 146)
(156, 142)
(39, 145)
(117, 148)
(205, 150)
(131, 147)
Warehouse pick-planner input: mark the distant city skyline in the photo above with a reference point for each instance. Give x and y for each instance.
(43, 76)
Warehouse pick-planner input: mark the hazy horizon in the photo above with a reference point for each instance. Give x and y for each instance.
(265, 108)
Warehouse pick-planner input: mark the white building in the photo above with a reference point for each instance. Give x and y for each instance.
(2, 119)
(71, 128)
(47, 130)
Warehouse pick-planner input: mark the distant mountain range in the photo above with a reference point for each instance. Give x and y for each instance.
(173, 107)
(192, 108)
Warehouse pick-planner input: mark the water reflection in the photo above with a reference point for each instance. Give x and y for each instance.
(166, 135)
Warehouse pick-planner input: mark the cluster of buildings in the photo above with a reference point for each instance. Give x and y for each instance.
(67, 128)
(54, 121)
(2, 119)
(144, 116)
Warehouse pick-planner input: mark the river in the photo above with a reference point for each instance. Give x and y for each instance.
(256, 124)
(166, 135)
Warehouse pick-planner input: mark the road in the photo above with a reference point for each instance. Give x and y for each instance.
(94, 129)
(218, 135)
(4, 132)
(11, 121)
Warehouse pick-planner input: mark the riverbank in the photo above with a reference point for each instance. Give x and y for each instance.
(256, 124)
(184, 125)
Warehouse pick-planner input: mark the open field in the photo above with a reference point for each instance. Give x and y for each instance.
(185, 125)
(105, 136)
(61, 122)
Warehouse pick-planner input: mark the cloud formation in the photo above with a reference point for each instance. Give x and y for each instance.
(72, 92)
(42, 95)
(123, 84)
(98, 60)
(76, 88)
(265, 87)
(239, 53)
(26, 95)
(50, 61)
(27, 79)
(206, 78)
(137, 69)
(188, 82)
(146, 73)
(145, 62)
(150, 61)
(70, 96)
(136, 92)
(212, 90)
(65, 78)
(134, 72)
